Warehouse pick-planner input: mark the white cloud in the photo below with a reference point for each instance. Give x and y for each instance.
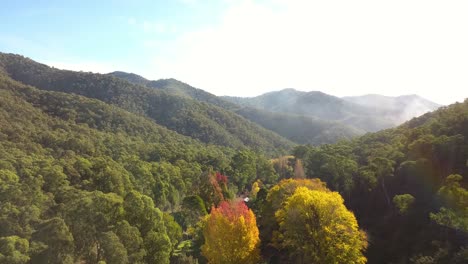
(340, 47)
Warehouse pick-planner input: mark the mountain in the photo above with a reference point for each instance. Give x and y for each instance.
(176, 87)
(407, 186)
(399, 109)
(307, 130)
(88, 175)
(131, 77)
(301, 129)
(317, 104)
(78, 174)
(206, 122)
(350, 111)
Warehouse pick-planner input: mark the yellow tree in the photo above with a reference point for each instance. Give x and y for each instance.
(316, 227)
(231, 235)
(276, 197)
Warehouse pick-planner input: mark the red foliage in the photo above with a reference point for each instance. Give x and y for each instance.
(220, 178)
(233, 209)
(218, 192)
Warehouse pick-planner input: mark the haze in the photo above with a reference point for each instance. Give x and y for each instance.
(246, 48)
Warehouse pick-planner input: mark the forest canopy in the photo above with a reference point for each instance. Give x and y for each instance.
(94, 169)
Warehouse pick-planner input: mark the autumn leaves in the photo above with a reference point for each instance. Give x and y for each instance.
(300, 221)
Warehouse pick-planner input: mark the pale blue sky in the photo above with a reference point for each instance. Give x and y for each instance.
(248, 47)
(116, 32)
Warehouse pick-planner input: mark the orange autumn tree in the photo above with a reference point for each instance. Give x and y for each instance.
(231, 234)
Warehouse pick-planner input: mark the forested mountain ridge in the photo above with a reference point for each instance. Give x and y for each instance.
(67, 189)
(131, 77)
(206, 122)
(301, 129)
(406, 185)
(177, 87)
(84, 181)
(307, 130)
(359, 112)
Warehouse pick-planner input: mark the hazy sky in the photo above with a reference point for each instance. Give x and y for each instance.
(245, 48)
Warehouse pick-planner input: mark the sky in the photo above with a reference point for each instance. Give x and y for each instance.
(248, 47)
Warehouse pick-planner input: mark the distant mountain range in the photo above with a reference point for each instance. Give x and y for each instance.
(202, 121)
(368, 113)
(273, 121)
(297, 128)
(306, 117)
(399, 109)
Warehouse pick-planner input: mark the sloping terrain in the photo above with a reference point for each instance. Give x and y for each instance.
(297, 128)
(206, 122)
(363, 113)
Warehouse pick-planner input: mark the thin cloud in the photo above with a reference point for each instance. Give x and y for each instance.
(340, 47)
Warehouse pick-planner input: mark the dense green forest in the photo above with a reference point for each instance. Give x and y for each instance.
(94, 169)
(407, 186)
(83, 180)
(307, 129)
(206, 122)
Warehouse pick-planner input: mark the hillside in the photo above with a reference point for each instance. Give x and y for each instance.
(307, 130)
(206, 122)
(77, 174)
(351, 111)
(407, 186)
(175, 87)
(83, 180)
(301, 129)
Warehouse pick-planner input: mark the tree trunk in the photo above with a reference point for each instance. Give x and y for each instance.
(385, 191)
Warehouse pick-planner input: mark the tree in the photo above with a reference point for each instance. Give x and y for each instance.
(244, 169)
(299, 170)
(276, 196)
(158, 246)
(316, 227)
(112, 249)
(403, 202)
(255, 188)
(265, 171)
(14, 250)
(58, 241)
(455, 198)
(231, 235)
(193, 209)
(133, 242)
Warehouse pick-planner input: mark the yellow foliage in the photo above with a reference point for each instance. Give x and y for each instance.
(255, 188)
(285, 188)
(316, 227)
(231, 235)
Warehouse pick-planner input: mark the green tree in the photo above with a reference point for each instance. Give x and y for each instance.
(243, 169)
(133, 242)
(455, 198)
(111, 249)
(403, 202)
(58, 242)
(14, 250)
